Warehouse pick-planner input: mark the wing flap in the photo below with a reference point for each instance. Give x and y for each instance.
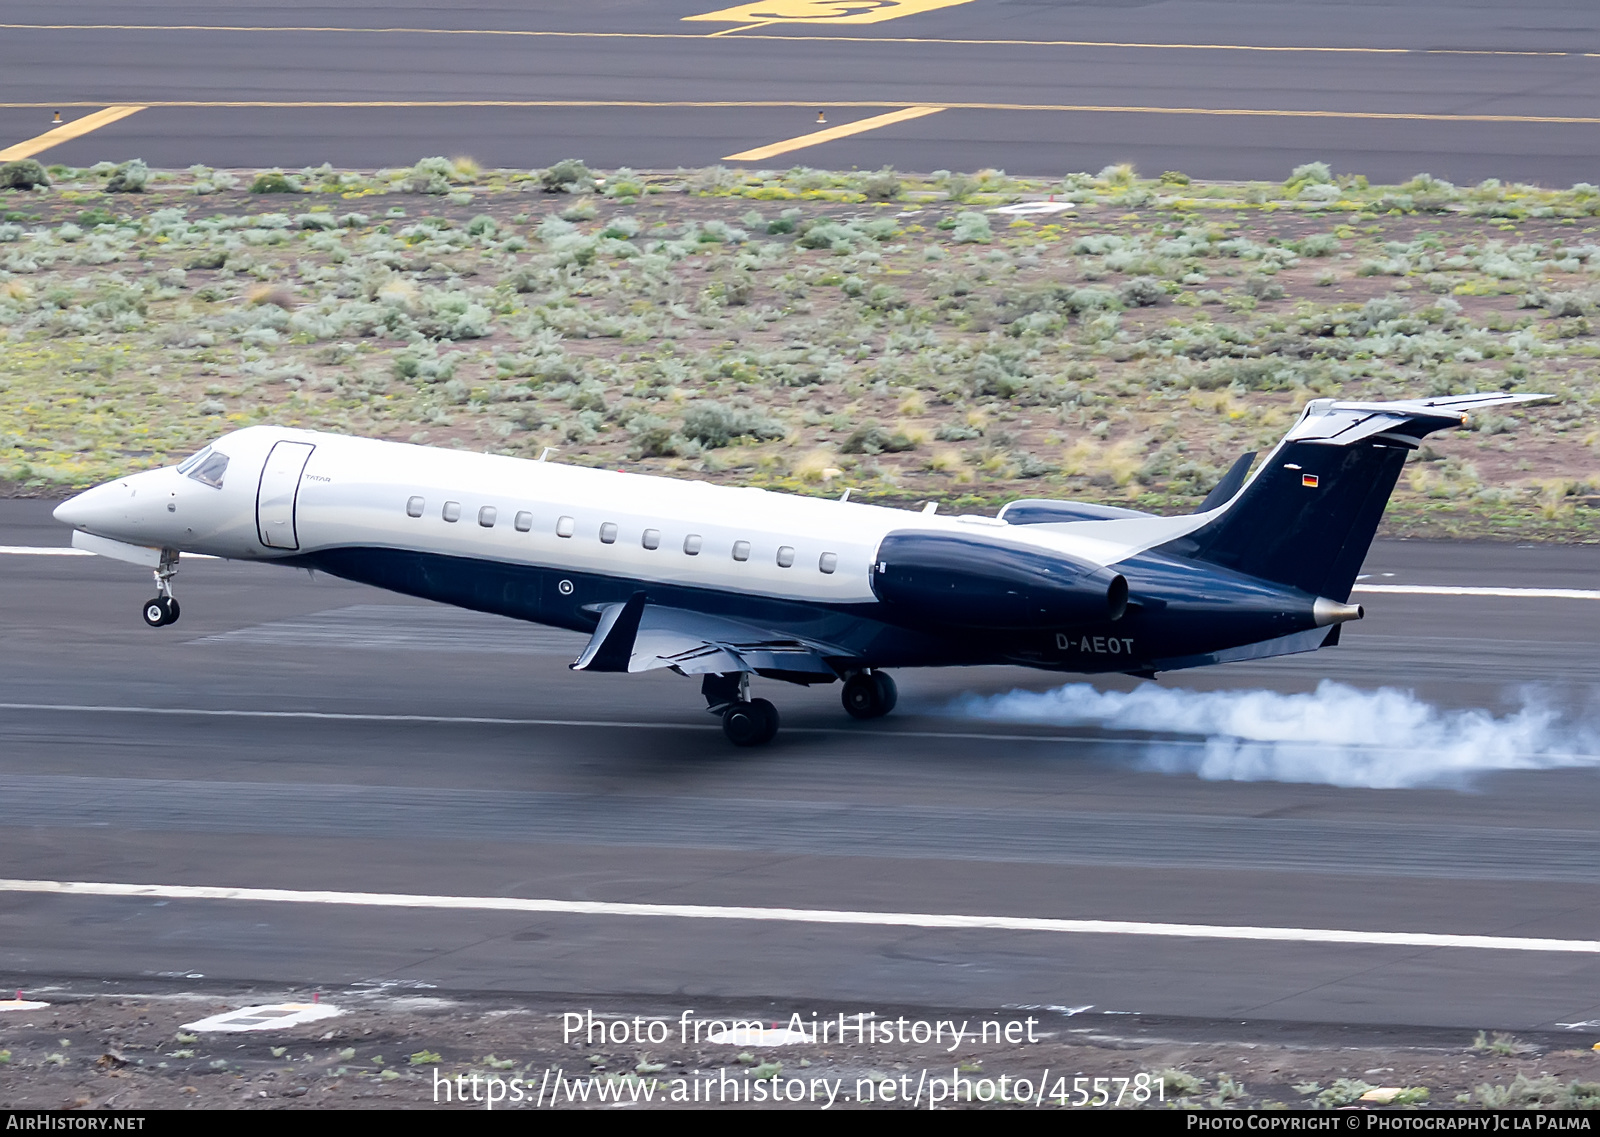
(639, 636)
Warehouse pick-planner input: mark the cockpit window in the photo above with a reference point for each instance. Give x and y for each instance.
(211, 470)
(193, 460)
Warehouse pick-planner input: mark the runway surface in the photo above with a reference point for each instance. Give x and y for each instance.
(307, 734)
(1464, 89)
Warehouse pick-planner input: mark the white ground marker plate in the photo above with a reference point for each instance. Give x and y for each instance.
(269, 1016)
(21, 1005)
(1034, 208)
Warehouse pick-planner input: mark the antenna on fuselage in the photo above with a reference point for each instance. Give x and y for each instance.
(546, 452)
(931, 507)
(845, 496)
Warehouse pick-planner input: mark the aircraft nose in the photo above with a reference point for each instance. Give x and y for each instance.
(74, 511)
(95, 509)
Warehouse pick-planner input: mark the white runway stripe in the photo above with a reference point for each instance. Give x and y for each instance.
(612, 724)
(1466, 590)
(67, 551)
(801, 916)
(469, 720)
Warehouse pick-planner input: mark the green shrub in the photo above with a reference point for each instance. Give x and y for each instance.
(1144, 292)
(884, 185)
(23, 174)
(1310, 174)
(873, 439)
(274, 181)
(569, 175)
(971, 229)
(1174, 178)
(130, 177)
(713, 425)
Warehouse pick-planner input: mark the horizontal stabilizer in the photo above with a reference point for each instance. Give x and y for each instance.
(1333, 422)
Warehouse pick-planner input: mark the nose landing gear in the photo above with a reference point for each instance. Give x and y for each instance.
(163, 609)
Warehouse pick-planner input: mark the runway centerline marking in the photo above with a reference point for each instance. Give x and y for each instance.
(747, 104)
(817, 137)
(802, 916)
(1473, 590)
(614, 724)
(67, 131)
(933, 41)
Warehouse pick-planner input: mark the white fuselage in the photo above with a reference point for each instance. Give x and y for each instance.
(344, 492)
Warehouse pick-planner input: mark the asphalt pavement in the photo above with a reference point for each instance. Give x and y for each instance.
(298, 732)
(1463, 89)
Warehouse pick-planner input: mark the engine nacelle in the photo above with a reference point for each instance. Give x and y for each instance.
(943, 578)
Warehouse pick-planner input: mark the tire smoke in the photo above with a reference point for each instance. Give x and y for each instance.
(1336, 735)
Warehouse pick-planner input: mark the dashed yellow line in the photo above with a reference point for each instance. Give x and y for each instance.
(924, 40)
(840, 104)
(817, 137)
(77, 128)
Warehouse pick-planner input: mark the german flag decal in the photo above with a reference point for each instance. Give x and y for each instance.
(1308, 480)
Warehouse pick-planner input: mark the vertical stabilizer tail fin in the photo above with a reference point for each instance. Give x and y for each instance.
(1307, 517)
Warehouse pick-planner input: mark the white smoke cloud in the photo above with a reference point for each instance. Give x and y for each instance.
(1337, 735)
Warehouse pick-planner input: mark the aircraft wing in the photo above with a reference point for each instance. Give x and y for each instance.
(640, 636)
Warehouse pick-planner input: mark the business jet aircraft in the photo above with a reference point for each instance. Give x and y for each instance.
(726, 583)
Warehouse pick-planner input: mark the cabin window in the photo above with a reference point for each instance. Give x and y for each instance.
(523, 521)
(785, 556)
(651, 539)
(691, 544)
(608, 533)
(486, 516)
(828, 562)
(565, 527)
(741, 550)
(414, 506)
(210, 471)
(451, 511)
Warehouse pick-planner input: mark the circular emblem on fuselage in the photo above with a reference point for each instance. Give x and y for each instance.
(566, 587)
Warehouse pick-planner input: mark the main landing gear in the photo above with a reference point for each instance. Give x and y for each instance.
(746, 721)
(163, 609)
(869, 694)
(752, 722)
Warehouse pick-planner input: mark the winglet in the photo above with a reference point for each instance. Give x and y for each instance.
(611, 646)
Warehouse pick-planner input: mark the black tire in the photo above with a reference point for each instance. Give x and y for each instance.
(172, 609)
(745, 724)
(888, 693)
(861, 697)
(769, 715)
(155, 612)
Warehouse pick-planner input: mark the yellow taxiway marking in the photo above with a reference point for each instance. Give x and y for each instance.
(825, 11)
(67, 131)
(836, 104)
(932, 41)
(817, 137)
